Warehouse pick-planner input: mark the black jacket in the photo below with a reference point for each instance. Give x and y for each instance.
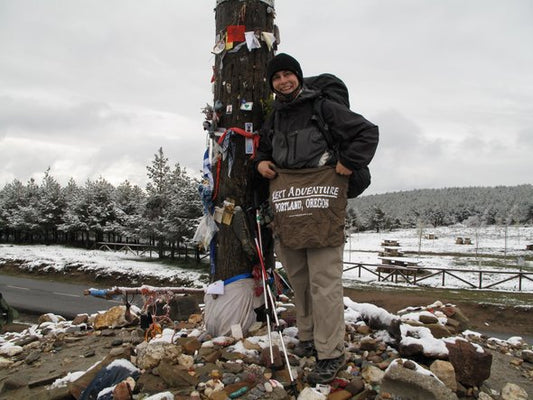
(291, 137)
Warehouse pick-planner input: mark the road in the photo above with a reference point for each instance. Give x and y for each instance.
(38, 296)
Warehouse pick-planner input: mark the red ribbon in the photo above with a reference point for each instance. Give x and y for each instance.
(241, 132)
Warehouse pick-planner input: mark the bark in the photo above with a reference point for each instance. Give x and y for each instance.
(239, 77)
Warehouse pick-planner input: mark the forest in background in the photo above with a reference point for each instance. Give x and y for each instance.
(163, 215)
(472, 206)
(167, 211)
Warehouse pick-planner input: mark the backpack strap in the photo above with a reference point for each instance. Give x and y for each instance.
(318, 116)
(360, 178)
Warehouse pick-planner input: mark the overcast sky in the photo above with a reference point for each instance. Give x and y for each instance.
(93, 88)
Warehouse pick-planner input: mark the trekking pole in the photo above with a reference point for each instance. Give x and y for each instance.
(284, 349)
(271, 300)
(268, 321)
(258, 221)
(259, 248)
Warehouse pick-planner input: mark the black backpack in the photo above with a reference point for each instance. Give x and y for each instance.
(333, 88)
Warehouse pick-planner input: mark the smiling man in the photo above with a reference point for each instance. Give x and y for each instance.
(309, 228)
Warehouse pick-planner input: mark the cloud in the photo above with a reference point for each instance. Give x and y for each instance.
(43, 117)
(95, 88)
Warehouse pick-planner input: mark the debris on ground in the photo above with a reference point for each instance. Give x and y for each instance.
(419, 353)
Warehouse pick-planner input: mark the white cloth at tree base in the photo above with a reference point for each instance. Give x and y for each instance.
(235, 306)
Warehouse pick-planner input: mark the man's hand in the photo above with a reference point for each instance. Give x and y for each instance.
(266, 169)
(342, 170)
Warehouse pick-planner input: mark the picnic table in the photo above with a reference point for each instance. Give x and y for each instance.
(391, 252)
(135, 248)
(400, 262)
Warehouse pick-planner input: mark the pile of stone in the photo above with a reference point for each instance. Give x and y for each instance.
(424, 353)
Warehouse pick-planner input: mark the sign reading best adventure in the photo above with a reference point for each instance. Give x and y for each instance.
(309, 207)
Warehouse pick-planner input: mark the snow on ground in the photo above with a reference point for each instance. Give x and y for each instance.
(486, 240)
(492, 248)
(60, 258)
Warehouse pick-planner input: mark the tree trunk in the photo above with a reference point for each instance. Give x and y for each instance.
(239, 78)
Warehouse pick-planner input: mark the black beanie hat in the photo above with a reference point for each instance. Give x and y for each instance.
(284, 62)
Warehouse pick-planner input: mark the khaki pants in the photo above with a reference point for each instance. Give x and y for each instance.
(316, 278)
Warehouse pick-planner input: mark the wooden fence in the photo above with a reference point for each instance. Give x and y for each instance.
(417, 275)
(147, 249)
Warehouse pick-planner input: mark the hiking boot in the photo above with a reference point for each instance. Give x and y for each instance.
(305, 348)
(326, 370)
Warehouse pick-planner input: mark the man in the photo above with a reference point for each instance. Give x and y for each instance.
(291, 140)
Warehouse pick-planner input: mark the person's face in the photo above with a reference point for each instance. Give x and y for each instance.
(285, 82)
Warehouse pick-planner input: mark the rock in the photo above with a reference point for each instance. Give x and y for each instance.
(367, 394)
(231, 355)
(150, 354)
(283, 375)
(115, 317)
(26, 340)
(123, 390)
(438, 331)
(89, 353)
(356, 385)
(363, 329)
(377, 318)
(49, 317)
(484, 396)
(254, 329)
(266, 360)
(375, 359)
(209, 355)
(175, 375)
(342, 394)
(186, 361)
(233, 367)
(471, 363)
(223, 341)
(249, 345)
(190, 345)
(410, 350)
(41, 381)
(428, 319)
(11, 351)
(527, 356)
(409, 364)
(218, 395)
(14, 382)
(372, 374)
(453, 325)
(181, 308)
(311, 394)
(445, 372)
(5, 362)
(511, 391)
(409, 384)
(151, 383)
(32, 357)
(368, 343)
(80, 319)
(456, 314)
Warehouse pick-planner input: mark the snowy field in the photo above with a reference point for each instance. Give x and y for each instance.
(60, 259)
(493, 248)
(496, 250)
